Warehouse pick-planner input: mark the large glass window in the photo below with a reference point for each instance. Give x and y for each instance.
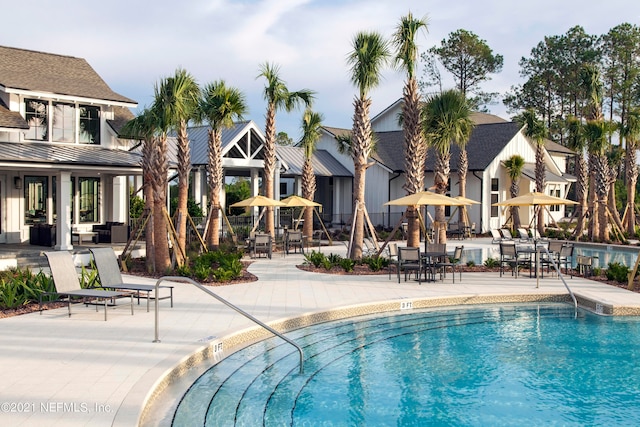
(495, 186)
(89, 197)
(35, 199)
(89, 125)
(37, 116)
(63, 122)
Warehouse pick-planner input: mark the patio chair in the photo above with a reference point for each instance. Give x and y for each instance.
(67, 283)
(496, 237)
(294, 241)
(111, 278)
(261, 245)
(369, 247)
(409, 260)
(392, 249)
(506, 234)
(510, 257)
(523, 235)
(452, 262)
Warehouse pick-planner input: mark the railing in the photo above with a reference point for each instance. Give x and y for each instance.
(553, 261)
(225, 302)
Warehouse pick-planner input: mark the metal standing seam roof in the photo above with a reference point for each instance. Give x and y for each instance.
(323, 163)
(34, 71)
(66, 154)
(529, 170)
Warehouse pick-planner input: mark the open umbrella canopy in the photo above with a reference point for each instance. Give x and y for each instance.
(256, 201)
(535, 199)
(466, 201)
(426, 198)
(295, 201)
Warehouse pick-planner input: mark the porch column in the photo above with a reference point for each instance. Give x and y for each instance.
(253, 184)
(63, 209)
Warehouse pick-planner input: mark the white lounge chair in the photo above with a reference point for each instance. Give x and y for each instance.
(110, 276)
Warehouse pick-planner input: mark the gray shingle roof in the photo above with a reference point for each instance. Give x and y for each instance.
(56, 74)
(11, 119)
(323, 163)
(66, 154)
(487, 140)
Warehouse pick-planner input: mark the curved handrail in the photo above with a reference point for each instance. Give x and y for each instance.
(553, 261)
(225, 302)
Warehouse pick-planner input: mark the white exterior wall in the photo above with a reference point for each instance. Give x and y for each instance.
(377, 193)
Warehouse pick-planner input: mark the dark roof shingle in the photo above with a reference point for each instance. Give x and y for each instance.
(56, 74)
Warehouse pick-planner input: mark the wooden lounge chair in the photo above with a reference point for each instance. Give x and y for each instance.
(67, 283)
(111, 278)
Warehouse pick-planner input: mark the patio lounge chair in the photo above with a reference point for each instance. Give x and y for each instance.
(506, 234)
(110, 277)
(496, 237)
(67, 283)
(523, 235)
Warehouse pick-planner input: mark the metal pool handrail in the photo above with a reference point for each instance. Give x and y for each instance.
(225, 302)
(553, 261)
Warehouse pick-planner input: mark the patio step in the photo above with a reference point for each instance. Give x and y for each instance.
(31, 260)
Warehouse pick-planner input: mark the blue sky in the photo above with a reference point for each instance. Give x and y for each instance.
(133, 44)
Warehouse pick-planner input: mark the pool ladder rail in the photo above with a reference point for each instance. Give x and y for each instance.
(225, 302)
(553, 261)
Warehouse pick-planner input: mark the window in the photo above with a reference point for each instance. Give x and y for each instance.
(36, 114)
(89, 125)
(64, 122)
(554, 192)
(35, 199)
(89, 199)
(495, 185)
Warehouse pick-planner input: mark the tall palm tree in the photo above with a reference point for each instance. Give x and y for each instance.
(370, 53)
(446, 120)
(220, 105)
(576, 141)
(515, 165)
(177, 101)
(415, 150)
(597, 136)
(311, 133)
(144, 127)
(631, 133)
(278, 97)
(536, 131)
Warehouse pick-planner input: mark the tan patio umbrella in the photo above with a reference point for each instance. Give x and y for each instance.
(535, 199)
(426, 198)
(466, 200)
(257, 201)
(297, 201)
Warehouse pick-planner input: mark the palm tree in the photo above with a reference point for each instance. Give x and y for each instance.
(415, 150)
(278, 97)
(536, 131)
(597, 136)
(370, 53)
(177, 101)
(631, 133)
(447, 120)
(577, 143)
(311, 133)
(144, 127)
(515, 165)
(220, 106)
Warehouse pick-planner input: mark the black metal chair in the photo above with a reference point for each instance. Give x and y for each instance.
(510, 257)
(409, 260)
(452, 262)
(392, 249)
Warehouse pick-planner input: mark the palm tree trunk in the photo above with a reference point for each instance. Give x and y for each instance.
(601, 189)
(308, 192)
(631, 168)
(216, 178)
(582, 185)
(147, 177)
(415, 154)
(159, 184)
(440, 181)
(184, 169)
(462, 184)
(361, 147)
(269, 166)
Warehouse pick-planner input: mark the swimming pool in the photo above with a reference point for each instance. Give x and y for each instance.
(489, 365)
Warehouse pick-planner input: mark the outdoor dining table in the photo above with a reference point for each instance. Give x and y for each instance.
(533, 252)
(429, 262)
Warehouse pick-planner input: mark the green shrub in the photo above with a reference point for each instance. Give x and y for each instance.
(334, 259)
(470, 263)
(376, 263)
(491, 262)
(618, 272)
(20, 286)
(347, 264)
(315, 258)
(327, 264)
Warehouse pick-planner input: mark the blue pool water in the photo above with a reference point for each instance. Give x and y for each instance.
(509, 365)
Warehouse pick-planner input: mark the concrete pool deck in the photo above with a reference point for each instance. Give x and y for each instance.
(61, 371)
